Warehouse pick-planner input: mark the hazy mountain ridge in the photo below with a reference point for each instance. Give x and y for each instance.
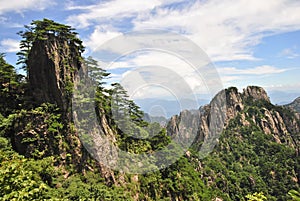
(282, 97)
(159, 119)
(168, 108)
(295, 105)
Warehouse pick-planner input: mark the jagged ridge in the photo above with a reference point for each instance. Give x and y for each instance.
(251, 107)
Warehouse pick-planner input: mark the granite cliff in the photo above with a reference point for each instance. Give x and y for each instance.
(251, 107)
(295, 105)
(52, 65)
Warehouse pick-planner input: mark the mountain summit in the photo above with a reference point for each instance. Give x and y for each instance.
(251, 107)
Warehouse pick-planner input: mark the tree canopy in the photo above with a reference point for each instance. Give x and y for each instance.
(42, 30)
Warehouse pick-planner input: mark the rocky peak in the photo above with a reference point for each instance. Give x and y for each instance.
(255, 93)
(295, 105)
(234, 102)
(252, 107)
(52, 66)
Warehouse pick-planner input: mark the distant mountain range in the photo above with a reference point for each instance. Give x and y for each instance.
(159, 119)
(283, 98)
(167, 108)
(160, 110)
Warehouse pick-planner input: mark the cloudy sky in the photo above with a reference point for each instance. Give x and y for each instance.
(249, 42)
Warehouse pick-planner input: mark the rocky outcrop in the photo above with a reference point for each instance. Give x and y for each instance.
(295, 105)
(52, 65)
(255, 93)
(39, 133)
(251, 107)
(46, 129)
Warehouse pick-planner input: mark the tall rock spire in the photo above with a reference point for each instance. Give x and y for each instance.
(52, 57)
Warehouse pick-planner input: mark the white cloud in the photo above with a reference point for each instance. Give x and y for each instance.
(9, 45)
(227, 79)
(154, 58)
(112, 10)
(292, 87)
(165, 70)
(227, 30)
(8, 23)
(289, 53)
(241, 77)
(259, 70)
(100, 35)
(3, 20)
(17, 6)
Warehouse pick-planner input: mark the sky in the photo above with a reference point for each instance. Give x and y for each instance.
(248, 42)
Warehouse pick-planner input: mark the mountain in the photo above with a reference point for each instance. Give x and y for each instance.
(239, 146)
(295, 105)
(252, 107)
(159, 119)
(52, 63)
(282, 97)
(168, 108)
(254, 142)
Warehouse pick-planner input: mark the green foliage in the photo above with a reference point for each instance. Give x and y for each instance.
(41, 30)
(10, 87)
(256, 197)
(295, 195)
(122, 107)
(89, 187)
(3, 143)
(98, 77)
(37, 131)
(19, 180)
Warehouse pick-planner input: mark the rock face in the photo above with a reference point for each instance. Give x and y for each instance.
(52, 68)
(252, 107)
(46, 130)
(255, 93)
(39, 133)
(295, 105)
(52, 65)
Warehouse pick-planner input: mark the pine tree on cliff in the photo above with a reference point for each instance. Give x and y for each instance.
(44, 30)
(10, 87)
(51, 55)
(98, 76)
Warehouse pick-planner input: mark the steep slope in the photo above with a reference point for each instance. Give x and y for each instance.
(252, 107)
(52, 65)
(44, 127)
(258, 149)
(295, 105)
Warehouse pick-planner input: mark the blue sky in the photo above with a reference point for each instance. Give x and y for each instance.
(250, 42)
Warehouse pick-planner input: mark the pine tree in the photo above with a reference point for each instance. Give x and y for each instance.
(10, 89)
(98, 77)
(46, 29)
